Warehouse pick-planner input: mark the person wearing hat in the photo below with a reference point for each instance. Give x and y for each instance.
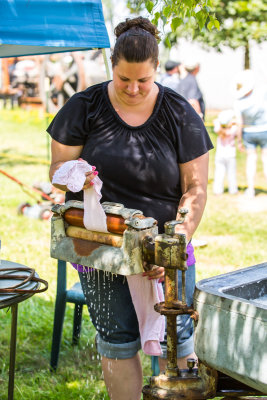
(251, 110)
(171, 77)
(225, 158)
(188, 86)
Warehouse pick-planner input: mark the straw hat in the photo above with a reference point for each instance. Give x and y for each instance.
(190, 63)
(225, 117)
(245, 82)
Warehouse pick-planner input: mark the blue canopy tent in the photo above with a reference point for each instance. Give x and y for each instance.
(38, 27)
(30, 27)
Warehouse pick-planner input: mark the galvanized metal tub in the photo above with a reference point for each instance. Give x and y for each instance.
(231, 334)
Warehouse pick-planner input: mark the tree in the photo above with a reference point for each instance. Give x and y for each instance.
(177, 13)
(241, 21)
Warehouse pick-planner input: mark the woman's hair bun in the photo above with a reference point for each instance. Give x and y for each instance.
(136, 24)
(137, 41)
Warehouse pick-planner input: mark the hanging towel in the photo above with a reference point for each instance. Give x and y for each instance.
(145, 293)
(72, 174)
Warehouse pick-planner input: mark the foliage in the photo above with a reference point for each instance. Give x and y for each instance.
(241, 21)
(237, 22)
(178, 13)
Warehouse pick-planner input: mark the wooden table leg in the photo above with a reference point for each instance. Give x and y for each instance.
(12, 358)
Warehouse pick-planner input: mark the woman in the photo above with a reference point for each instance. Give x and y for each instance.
(151, 151)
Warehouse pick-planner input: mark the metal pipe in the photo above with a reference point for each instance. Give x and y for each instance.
(172, 368)
(170, 297)
(171, 289)
(12, 359)
(183, 288)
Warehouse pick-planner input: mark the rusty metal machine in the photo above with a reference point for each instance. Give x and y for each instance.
(119, 251)
(132, 239)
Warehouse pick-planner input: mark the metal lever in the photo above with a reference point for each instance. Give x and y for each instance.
(169, 227)
(140, 223)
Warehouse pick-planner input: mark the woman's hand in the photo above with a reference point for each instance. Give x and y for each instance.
(89, 179)
(154, 272)
(240, 146)
(89, 176)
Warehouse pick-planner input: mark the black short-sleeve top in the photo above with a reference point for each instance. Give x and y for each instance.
(139, 165)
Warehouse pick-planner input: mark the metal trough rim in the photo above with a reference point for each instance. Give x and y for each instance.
(219, 284)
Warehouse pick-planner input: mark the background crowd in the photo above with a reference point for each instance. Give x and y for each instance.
(244, 126)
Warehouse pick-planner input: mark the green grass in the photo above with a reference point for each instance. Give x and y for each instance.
(236, 234)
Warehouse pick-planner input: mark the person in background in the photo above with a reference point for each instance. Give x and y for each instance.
(171, 77)
(251, 110)
(188, 86)
(225, 158)
(150, 149)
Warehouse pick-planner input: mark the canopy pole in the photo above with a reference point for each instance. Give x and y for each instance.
(107, 60)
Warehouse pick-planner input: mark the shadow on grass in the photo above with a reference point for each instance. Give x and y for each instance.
(242, 189)
(11, 159)
(79, 372)
(258, 190)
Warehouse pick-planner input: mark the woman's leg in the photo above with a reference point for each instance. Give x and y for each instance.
(123, 378)
(231, 174)
(251, 171)
(264, 161)
(117, 341)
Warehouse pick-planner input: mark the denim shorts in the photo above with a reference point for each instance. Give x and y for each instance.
(113, 315)
(253, 139)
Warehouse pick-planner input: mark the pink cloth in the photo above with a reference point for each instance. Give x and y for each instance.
(145, 294)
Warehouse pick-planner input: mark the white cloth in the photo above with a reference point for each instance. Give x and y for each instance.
(72, 174)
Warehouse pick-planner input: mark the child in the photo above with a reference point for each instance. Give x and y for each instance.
(225, 157)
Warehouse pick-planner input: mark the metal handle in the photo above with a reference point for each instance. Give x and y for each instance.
(169, 227)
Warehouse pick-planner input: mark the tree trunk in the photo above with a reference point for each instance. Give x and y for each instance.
(247, 56)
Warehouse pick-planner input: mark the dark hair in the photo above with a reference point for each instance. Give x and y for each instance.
(136, 41)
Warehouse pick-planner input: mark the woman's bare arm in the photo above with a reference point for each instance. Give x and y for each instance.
(194, 181)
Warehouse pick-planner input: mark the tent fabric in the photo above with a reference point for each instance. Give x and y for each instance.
(30, 27)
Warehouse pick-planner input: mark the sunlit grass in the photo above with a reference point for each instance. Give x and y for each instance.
(235, 232)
